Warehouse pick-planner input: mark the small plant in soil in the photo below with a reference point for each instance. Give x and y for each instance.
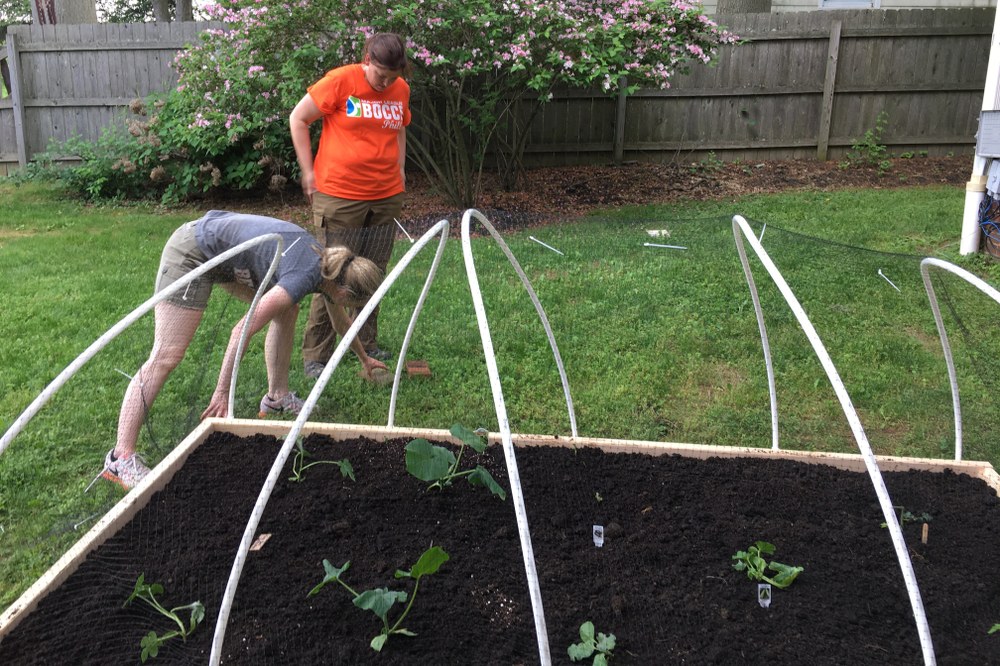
(752, 561)
(438, 466)
(151, 642)
(994, 629)
(600, 646)
(381, 600)
(299, 464)
(909, 517)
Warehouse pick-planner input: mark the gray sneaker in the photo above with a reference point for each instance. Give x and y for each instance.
(379, 354)
(290, 404)
(126, 472)
(313, 369)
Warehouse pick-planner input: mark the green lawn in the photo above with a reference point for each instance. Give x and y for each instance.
(658, 344)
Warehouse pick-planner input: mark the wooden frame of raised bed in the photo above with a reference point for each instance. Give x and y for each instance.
(134, 501)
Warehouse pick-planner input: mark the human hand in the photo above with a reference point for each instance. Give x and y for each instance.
(218, 407)
(309, 185)
(375, 371)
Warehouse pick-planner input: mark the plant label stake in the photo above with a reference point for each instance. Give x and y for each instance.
(764, 594)
(598, 535)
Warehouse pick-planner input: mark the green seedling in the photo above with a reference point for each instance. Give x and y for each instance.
(602, 645)
(994, 629)
(381, 600)
(151, 642)
(438, 466)
(909, 517)
(752, 561)
(299, 465)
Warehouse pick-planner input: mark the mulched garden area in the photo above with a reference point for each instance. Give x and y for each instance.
(559, 193)
(662, 583)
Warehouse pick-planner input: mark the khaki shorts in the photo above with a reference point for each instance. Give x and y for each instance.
(181, 255)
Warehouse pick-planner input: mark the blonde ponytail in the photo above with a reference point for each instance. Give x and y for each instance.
(358, 274)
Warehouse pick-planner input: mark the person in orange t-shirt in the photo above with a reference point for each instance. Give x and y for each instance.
(357, 181)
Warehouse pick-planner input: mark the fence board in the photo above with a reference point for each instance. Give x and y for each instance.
(762, 100)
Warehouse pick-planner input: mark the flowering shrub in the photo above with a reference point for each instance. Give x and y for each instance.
(482, 69)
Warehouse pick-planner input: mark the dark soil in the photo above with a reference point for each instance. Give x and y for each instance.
(662, 582)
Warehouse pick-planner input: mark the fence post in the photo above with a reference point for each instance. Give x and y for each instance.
(826, 112)
(619, 145)
(16, 96)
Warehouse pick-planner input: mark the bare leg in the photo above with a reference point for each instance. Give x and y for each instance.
(278, 351)
(174, 329)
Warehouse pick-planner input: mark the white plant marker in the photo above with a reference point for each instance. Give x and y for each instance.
(888, 280)
(598, 535)
(291, 246)
(658, 233)
(764, 594)
(545, 245)
(398, 224)
(762, 230)
(672, 247)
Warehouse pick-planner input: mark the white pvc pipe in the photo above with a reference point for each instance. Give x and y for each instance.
(982, 286)
(538, 308)
(976, 187)
(124, 323)
(517, 497)
(273, 476)
(763, 334)
(902, 554)
(413, 319)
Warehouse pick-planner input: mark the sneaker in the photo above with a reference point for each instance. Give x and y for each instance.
(126, 472)
(313, 369)
(290, 404)
(379, 354)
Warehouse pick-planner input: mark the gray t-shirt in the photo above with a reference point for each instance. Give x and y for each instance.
(298, 270)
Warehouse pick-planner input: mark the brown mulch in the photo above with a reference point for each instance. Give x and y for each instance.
(563, 192)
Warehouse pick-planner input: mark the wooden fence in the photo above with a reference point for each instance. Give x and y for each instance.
(803, 85)
(75, 80)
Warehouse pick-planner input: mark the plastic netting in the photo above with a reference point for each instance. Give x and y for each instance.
(655, 326)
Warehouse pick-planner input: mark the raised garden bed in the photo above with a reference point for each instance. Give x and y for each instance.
(662, 582)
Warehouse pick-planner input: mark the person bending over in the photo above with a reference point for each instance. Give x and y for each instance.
(340, 277)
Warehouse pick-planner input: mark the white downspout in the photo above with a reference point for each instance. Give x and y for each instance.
(975, 189)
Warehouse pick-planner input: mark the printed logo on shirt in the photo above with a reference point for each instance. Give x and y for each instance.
(353, 107)
(389, 112)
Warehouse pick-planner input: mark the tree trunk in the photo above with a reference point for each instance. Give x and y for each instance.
(185, 11)
(743, 7)
(161, 10)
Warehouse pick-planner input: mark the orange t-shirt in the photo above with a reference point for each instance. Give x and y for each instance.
(358, 155)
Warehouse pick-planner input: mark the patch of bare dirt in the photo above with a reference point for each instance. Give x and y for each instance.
(561, 192)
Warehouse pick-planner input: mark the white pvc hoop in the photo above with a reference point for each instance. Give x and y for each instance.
(286, 448)
(535, 301)
(413, 322)
(902, 554)
(517, 496)
(763, 336)
(31, 410)
(982, 286)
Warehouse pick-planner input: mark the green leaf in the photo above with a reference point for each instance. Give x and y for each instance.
(587, 632)
(579, 651)
(332, 573)
(481, 477)
(429, 562)
(785, 574)
(470, 438)
(428, 462)
(405, 632)
(600, 660)
(605, 642)
(379, 600)
(346, 469)
(379, 641)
